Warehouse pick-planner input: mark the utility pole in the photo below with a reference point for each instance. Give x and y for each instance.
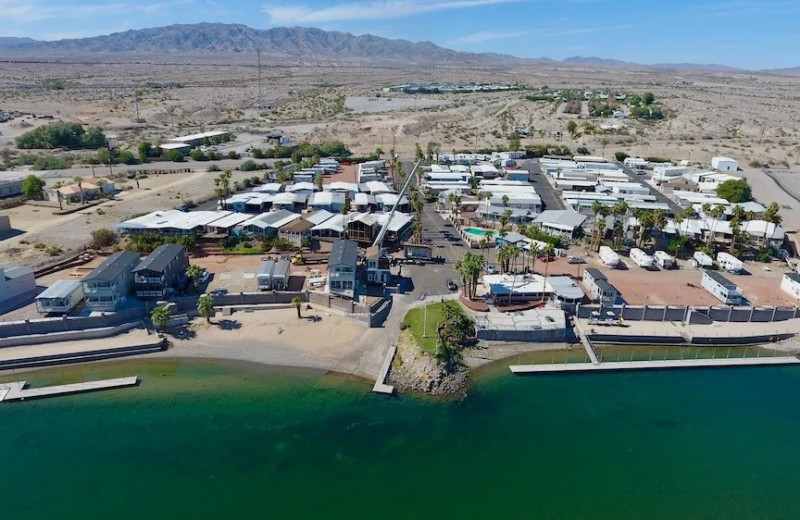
(260, 99)
(136, 102)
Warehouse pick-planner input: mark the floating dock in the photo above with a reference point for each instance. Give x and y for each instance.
(380, 387)
(643, 365)
(16, 391)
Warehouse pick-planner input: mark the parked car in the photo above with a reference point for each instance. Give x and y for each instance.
(203, 278)
(576, 260)
(452, 285)
(491, 269)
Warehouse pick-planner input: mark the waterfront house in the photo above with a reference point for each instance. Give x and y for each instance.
(110, 283)
(598, 286)
(721, 288)
(378, 271)
(61, 297)
(342, 267)
(162, 272)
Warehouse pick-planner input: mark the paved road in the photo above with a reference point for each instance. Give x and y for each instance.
(550, 198)
(674, 208)
(432, 278)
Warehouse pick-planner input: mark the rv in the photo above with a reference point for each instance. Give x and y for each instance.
(702, 259)
(641, 258)
(723, 289)
(729, 262)
(664, 260)
(264, 276)
(609, 257)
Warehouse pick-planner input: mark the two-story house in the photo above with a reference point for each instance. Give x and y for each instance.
(162, 272)
(342, 267)
(377, 266)
(111, 282)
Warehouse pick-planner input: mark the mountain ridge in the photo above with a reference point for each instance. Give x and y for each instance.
(300, 44)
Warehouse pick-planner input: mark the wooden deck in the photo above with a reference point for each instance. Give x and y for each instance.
(643, 365)
(17, 391)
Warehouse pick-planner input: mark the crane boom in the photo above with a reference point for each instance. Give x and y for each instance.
(379, 239)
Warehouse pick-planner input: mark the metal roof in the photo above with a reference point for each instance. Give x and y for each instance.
(281, 270)
(604, 286)
(562, 219)
(112, 266)
(795, 277)
(60, 289)
(344, 252)
(595, 273)
(266, 267)
(160, 258)
(720, 279)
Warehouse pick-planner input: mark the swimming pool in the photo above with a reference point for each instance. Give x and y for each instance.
(478, 232)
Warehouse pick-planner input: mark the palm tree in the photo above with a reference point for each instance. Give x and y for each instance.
(503, 221)
(470, 267)
(79, 180)
(205, 306)
(297, 302)
(548, 251)
(772, 216)
(194, 272)
(474, 184)
(160, 317)
(505, 200)
(597, 207)
(534, 252)
(736, 226)
(660, 222)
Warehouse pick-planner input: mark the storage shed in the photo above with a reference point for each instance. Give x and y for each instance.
(724, 164)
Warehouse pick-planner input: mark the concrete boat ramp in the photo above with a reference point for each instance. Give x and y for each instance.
(642, 365)
(16, 391)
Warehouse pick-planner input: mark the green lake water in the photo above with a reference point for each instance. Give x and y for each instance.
(225, 440)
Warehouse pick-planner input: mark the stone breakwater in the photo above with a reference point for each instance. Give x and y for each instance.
(415, 371)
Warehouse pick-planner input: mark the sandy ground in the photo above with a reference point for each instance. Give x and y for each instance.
(361, 104)
(671, 287)
(73, 231)
(277, 337)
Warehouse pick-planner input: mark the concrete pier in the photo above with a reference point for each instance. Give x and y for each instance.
(643, 365)
(17, 391)
(587, 344)
(380, 387)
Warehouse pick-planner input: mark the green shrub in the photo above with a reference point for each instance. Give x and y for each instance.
(248, 166)
(62, 135)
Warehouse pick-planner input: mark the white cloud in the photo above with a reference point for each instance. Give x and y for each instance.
(369, 10)
(480, 37)
(26, 11)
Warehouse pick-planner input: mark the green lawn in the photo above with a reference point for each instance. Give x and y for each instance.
(415, 319)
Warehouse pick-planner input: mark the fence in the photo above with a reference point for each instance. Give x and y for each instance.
(66, 324)
(692, 315)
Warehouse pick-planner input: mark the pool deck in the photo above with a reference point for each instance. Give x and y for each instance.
(642, 365)
(16, 390)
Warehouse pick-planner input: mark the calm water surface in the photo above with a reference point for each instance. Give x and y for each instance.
(224, 440)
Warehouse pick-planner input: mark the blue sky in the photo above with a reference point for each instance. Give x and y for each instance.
(753, 34)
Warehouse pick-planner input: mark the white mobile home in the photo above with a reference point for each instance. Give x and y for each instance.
(264, 276)
(724, 164)
(664, 260)
(702, 259)
(609, 257)
(729, 262)
(641, 258)
(598, 287)
(722, 288)
(791, 285)
(61, 297)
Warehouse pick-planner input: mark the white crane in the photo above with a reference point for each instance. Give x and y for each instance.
(379, 239)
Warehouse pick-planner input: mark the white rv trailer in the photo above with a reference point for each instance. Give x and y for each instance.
(729, 262)
(702, 259)
(609, 257)
(641, 258)
(664, 260)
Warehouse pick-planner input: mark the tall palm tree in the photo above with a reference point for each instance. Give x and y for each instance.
(660, 223)
(297, 302)
(205, 306)
(160, 317)
(534, 252)
(548, 251)
(772, 216)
